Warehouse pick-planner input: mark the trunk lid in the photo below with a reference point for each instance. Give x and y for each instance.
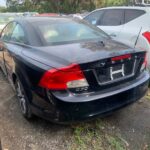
(106, 73)
(84, 52)
(95, 60)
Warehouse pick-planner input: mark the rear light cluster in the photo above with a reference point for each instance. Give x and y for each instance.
(147, 36)
(127, 56)
(63, 78)
(144, 65)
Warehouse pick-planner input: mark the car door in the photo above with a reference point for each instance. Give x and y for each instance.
(17, 37)
(5, 37)
(112, 22)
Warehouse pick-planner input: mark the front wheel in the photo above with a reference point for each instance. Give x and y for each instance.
(23, 100)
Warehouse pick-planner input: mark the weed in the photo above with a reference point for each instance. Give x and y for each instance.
(94, 136)
(115, 143)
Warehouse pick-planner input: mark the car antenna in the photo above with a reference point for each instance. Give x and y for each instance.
(137, 37)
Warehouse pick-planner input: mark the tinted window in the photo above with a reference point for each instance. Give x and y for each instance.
(94, 17)
(132, 14)
(113, 17)
(7, 32)
(67, 31)
(18, 35)
(138, 1)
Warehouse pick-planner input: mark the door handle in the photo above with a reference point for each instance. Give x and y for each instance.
(113, 35)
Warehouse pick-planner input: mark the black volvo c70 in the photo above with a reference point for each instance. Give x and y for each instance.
(67, 70)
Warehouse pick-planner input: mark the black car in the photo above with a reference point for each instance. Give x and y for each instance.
(67, 70)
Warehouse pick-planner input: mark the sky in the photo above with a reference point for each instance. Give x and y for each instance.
(2, 2)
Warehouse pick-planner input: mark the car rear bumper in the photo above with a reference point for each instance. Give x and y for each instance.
(70, 111)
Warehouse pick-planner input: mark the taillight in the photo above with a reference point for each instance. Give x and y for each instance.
(60, 79)
(144, 65)
(147, 36)
(127, 56)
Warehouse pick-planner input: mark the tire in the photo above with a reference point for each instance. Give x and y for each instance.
(23, 100)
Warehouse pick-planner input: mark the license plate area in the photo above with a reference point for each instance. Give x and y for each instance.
(115, 72)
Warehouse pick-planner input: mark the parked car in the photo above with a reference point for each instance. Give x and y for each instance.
(129, 25)
(80, 15)
(29, 14)
(141, 2)
(4, 19)
(47, 15)
(67, 70)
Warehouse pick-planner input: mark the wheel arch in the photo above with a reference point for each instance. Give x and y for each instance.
(14, 77)
(22, 77)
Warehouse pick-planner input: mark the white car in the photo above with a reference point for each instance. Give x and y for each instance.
(129, 25)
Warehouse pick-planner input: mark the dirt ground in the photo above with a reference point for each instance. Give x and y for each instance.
(128, 128)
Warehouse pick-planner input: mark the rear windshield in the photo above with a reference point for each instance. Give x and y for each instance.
(67, 31)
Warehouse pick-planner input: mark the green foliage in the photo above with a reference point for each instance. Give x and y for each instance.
(115, 143)
(115, 2)
(59, 6)
(95, 135)
(3, 9)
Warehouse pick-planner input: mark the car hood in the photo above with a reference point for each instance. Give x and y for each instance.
(84, 52)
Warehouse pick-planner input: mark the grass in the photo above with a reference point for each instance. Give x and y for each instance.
(148, 95)
(95, 136)
(115, 143)
(98, 135)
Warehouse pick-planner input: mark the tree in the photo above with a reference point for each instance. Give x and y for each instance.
(60, 6)
(3, 9)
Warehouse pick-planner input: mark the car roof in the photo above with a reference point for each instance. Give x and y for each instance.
(37, 19)
(47, 15)
(147, 9)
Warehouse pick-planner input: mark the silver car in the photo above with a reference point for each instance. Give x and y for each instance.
(129, 25)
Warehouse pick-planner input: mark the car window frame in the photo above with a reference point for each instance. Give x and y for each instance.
(123, 20)
(15, 42)
(134, 18)
(4, 29)
(98, 21)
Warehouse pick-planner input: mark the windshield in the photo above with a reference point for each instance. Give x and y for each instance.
(67, 31)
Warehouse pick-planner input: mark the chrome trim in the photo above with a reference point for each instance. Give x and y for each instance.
(116, 72)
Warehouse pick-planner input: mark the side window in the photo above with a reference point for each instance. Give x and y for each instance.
(113, 17)
(138, 1)
(18, 35)
(94, 17)
(7, 31)
(132, 14)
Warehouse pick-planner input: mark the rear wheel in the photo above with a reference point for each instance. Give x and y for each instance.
(23, 100)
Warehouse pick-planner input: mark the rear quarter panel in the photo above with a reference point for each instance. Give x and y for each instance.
(132, 29)
(28, 70)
